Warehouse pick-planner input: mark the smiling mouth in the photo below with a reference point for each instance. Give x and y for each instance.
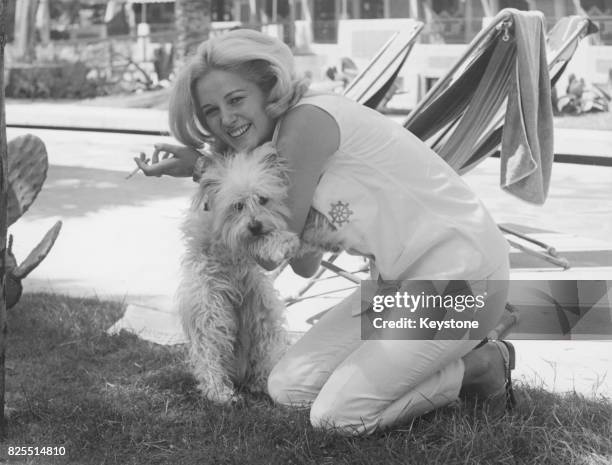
(239, 130)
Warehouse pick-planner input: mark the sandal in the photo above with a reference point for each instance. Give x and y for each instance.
(508, 354)
(503, 400)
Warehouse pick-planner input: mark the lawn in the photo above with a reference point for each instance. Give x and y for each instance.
(120, 400)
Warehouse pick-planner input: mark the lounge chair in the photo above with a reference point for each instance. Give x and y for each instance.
(462, 116)
(372, 84)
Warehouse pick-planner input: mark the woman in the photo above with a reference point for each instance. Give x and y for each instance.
(404, 208)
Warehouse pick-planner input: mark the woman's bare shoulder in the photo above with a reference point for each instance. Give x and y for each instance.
(310, 125)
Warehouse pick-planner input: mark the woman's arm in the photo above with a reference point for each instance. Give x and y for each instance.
(308, 137)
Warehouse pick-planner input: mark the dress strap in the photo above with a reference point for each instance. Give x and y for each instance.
(276, 131)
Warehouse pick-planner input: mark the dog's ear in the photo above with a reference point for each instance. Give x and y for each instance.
(208, 188)
(271, 158)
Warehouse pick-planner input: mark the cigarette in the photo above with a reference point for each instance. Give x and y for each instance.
(136, 170)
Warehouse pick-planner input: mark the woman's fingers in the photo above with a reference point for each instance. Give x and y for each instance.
(155, 156)
(141, 162)
(167, 159)
(165, 150)
(153, 169)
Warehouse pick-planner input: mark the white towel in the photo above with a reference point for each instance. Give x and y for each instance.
(527, 142)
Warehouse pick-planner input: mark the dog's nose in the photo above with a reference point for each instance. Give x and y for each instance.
(255, 227)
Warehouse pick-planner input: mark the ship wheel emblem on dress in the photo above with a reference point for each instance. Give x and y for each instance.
(340, 213)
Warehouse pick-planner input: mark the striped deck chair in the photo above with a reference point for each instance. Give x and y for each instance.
(462, 116)
(372, 84)
(470, 129)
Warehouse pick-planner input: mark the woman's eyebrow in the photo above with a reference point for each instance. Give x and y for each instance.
(230, 93)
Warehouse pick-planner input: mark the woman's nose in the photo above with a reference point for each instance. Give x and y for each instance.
(227, 117)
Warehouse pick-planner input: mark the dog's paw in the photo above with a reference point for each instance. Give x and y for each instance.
(289, 245)
(258, 385)
(220, 395)
(276, 246)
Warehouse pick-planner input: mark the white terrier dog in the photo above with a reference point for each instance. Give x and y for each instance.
(230, 311)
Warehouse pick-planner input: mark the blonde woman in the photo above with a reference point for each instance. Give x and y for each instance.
(406, 210)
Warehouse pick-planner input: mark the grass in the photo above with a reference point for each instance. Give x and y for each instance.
(120, 400)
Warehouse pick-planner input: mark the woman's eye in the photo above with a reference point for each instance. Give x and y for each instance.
(238, 206)
(263, 200)
(210, 112)
(235, 100)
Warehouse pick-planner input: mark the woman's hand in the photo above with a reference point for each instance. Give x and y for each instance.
(307, 264)
(176, 160)
(267, 264)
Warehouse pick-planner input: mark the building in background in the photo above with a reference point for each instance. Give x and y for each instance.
(324, 33)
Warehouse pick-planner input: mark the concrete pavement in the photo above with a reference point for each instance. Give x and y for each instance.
(567, 141)
(121, 237)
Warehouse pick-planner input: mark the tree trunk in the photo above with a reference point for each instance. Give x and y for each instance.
(3, 215)
(45, 16)
(25, 30)
(192, 18)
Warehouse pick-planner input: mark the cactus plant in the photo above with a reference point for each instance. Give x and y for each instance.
(27, 171)
(13, 285)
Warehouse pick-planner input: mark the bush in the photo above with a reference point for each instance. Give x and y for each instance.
(57, 81)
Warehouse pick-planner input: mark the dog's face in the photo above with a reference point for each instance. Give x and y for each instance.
(245, 194)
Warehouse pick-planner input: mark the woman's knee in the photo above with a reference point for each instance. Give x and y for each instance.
(278, 387)
(340, 418)
(288, 387)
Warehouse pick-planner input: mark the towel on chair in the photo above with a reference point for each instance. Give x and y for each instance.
(527, 151)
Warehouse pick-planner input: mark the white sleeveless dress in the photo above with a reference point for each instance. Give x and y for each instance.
(397, 202)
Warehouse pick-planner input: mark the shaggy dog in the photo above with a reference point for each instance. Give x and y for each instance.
(230, 311)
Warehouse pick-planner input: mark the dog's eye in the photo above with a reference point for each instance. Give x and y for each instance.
(263, 200)
(238, 206)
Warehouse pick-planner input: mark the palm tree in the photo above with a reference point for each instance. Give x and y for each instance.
(25, 30)
(192, 19)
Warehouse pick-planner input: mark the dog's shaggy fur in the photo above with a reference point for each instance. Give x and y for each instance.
(230, 311)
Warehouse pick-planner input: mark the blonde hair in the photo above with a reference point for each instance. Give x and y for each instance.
(263, 60)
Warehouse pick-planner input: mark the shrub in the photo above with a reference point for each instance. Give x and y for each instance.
(56, 81)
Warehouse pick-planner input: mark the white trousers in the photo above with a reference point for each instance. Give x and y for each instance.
(357, 386)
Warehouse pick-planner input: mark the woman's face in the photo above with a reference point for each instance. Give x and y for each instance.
(234, 109)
